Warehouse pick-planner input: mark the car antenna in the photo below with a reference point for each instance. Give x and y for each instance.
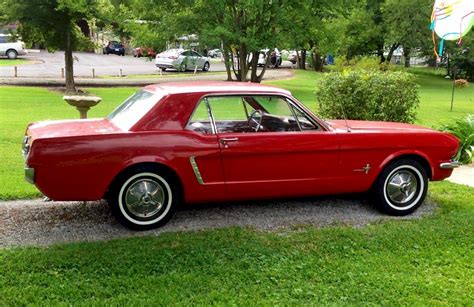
(345, 118)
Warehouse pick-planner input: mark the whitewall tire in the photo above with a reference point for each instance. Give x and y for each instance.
(401, 187)
(143, 198)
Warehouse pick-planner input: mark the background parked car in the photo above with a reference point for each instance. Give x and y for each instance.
(214, 53)
(11, 49)
(292, 57)
(181, 60)
(143, 51)
(114, 48)
(275, 57)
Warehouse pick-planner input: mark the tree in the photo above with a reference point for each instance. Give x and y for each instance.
(245, 27)
(362, 30)
(406, 22)
(54, 24)
(306, 27)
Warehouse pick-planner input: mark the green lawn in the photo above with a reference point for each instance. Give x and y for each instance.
(8, 62)
(21, 105)
(422, 262)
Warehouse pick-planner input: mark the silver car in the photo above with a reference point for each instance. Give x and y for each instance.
(181, 60)
(11, 49)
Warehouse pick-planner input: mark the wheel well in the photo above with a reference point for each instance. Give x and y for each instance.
(423, 162)
(160, 168)
(11, 49)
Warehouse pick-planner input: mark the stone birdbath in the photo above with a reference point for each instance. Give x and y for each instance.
(82, 103)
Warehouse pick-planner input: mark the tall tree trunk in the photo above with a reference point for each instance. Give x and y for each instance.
(234, 70)
(243, 69)
(302, 63)
(253, 67)
(69, 63)
(297, 59)
(258, 78)
(380, 53)
(391, 51)
(227, 62)
(317, 63)
(406, 55)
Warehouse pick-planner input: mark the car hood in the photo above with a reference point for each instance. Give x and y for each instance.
(66, 128)
(360, 125)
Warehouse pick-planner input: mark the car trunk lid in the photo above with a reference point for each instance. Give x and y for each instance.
(66, 128)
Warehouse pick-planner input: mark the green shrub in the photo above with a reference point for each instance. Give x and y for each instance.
(463, 129)
(368, 95)
(369, 63)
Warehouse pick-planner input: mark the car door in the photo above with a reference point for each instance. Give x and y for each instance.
(3, 44)
(198, 59)
(291, 160)
(185, 57)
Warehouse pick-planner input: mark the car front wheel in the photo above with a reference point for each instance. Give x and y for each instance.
(401, 187)
(12, 54)
(144, 198)
(205, 67)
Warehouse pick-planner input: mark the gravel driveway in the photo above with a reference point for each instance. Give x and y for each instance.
(34, 222)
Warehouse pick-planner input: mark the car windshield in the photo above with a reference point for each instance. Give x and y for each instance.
(134, 108)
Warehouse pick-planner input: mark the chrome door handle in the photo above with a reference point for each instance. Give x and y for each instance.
(225, 141)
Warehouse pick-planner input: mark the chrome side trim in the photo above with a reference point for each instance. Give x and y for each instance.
(197, 173)
(450, 165)
(211, 116)
(30, 175)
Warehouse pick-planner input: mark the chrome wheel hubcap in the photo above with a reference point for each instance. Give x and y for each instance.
(402, 187)
(144, 198)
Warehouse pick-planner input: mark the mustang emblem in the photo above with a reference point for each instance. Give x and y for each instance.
(365, 169)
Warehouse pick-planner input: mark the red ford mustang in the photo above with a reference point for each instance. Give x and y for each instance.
(217, 141)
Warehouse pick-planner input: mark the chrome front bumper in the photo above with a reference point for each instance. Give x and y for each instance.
(450, 165)
(30, 175)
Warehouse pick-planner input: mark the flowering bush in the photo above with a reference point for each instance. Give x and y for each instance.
(461, 83)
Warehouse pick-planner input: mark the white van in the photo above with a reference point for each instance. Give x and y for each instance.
(11, 49)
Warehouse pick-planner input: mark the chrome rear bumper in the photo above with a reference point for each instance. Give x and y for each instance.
(30, 175)
(450, 165)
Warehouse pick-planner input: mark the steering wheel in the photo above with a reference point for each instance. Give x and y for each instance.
(255, 118)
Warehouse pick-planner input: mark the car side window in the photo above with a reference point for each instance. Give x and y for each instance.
(185, 53)
(199, 121)
(304, 121)
(252, 114)
(230, 113)
(249, 114)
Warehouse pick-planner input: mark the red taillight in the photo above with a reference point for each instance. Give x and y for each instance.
(173, 57)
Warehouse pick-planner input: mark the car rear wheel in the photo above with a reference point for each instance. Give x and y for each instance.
(205, 67)
(401, 187)
(182, 67)
(12, 54)
(144, 198)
